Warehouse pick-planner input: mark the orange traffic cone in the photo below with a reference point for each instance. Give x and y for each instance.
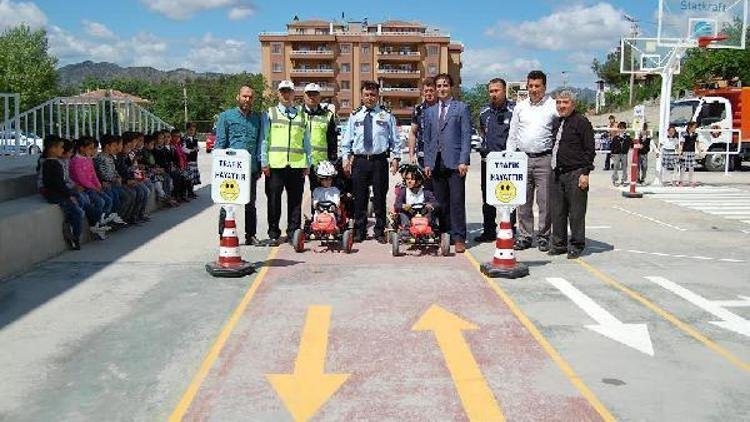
(504, 264)
(230, 263)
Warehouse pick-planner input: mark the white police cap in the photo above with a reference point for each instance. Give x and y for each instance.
(312, 87)
(286, 84)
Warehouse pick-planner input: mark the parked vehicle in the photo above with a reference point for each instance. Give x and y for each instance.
(28, 143)
(476, 140)
(713, 110)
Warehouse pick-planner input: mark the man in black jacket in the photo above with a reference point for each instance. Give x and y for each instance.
(572, 161)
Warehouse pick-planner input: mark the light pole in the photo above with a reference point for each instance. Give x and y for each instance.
(634, 31)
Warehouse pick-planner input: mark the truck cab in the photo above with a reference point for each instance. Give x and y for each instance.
(717, 109)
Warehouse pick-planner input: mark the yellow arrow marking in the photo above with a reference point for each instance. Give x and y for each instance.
(475, 394)
(306, 390)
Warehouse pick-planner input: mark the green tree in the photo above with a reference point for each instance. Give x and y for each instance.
(476, 98)
(26, 67)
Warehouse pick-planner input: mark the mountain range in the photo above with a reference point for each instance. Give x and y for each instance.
(74, 74)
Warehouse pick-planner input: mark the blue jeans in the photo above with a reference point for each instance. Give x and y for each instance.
(113, 197)
(92, 206)
(105, 200)
(73, 216)
(127, 202)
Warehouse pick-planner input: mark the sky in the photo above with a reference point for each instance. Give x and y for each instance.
(501, 38)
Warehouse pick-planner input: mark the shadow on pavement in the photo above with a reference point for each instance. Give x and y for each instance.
(594, 247)
(23, 293)
(278, 263)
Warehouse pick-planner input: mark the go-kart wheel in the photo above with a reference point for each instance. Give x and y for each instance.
(347, 241)
(395, 244)
(445, 244)
(298, 240)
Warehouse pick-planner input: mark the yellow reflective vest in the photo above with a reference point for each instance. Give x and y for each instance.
(286, 143)
(319, 135)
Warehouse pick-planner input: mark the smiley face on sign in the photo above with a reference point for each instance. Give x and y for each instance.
(505, 191)
(229, 190)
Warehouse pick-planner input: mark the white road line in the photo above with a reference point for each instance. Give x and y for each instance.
(732, 212)
(726, 203)
(729, 320)
(598, 227)
(653, 220)
(681, 256)
(631, 335)
(701, 207)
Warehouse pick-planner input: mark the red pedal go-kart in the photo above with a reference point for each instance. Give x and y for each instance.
(420, 234)
(325, 228)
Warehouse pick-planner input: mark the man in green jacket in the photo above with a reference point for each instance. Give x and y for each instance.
(240, 128)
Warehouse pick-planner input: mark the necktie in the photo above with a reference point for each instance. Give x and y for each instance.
(557, 144)
(443, 109)
(368, 132)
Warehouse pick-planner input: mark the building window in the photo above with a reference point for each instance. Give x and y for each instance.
(277, 68)
(432, 50)
(321, 31)
(345, 104)
(345, 85)
(276, 48)
(346, 68)
(365, 68)
(346, 48)
(365, 49)
(432, 70)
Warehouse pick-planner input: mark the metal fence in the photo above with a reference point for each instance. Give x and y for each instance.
(71, 118)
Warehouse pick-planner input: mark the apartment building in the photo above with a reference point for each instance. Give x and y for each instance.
(340, 55)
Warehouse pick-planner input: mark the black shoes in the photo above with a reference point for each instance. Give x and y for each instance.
(275, 241)
(543, 245)
(485, 238)
(381, 239)
(251, 241)
(574, 254)
(557, 251)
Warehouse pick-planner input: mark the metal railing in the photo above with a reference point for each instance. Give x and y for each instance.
(312, 52)
(74, 117)
(414, 90)
(313, 70)
(400, 71)
(400, 53)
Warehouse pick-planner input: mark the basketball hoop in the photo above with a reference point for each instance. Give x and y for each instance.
(704, 42)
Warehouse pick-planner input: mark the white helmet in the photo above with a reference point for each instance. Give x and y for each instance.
(325, 169)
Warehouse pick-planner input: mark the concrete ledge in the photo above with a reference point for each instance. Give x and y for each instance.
(31, 232)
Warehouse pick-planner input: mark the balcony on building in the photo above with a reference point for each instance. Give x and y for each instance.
(400, 91)
(321, 51)
(398, 72)
(399, 53)
(306, 68)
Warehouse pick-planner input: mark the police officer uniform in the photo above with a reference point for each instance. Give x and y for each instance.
(321, 123)
(286, 151)
(370, 139)
(494, 123)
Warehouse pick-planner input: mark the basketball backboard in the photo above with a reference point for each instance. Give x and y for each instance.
(683, 22)
(644, 56)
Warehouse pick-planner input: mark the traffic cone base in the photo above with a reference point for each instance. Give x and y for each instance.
(504, 264)
(230, 263)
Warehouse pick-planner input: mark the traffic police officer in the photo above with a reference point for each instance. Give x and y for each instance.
(370, 139)
(416, 143)
(285, 158)
(494, 125)
(321, 122)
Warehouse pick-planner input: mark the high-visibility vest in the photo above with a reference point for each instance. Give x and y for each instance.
(286, 146)
(319, 136)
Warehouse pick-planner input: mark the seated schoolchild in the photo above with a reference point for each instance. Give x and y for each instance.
(414, 193)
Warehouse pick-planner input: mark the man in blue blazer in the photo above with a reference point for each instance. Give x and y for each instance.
(447, 146)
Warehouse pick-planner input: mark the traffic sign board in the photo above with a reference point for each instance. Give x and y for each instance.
(506, 178)
(230, 180)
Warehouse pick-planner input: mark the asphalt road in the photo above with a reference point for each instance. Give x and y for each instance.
(652, 323)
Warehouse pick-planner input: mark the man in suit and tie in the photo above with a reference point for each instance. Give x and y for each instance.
(447, 145)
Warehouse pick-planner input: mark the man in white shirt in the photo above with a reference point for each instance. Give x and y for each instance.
(531, 133)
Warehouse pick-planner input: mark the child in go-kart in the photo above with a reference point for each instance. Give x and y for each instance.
(326, 192)
(414, 193)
